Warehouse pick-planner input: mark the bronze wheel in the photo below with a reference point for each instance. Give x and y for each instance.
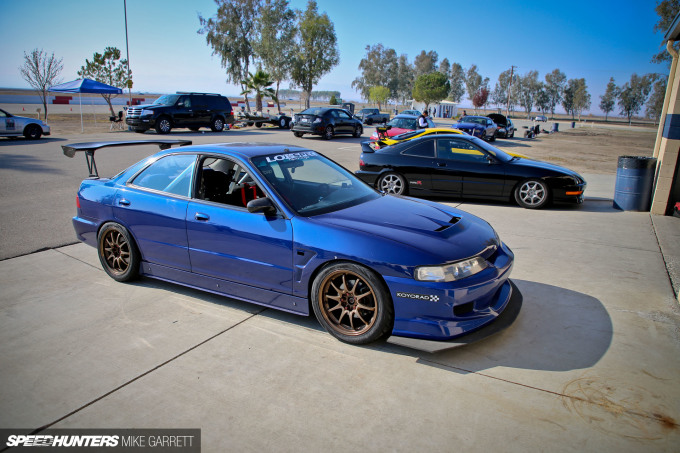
(118, 253)
(352, 304)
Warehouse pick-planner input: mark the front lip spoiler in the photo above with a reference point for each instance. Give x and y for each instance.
(502, 322)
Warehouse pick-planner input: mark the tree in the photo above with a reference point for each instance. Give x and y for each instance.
(432, 87)
(379, 95)
(425, 62)
(317, 49)
(405, 77)
(499, 96)
(276, 41)
(445, 67)
(543, 100)
(260, 83)
(473, 81)
(334, 100)
(608, 99)
(457, 80)
(379, 67)
(41, 72)
(580, 98)
(568, 100)
(555, 82)
(231, 34)
(526, 90)
(667, 10)
(107, 68)
(655, 102)
(480, 98)
(633, 94)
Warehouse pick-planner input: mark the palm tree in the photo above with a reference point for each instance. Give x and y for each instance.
(260, 83)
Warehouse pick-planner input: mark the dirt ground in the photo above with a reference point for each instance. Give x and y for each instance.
(586, 149)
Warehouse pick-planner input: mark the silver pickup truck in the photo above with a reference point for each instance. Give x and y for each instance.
(370, 116)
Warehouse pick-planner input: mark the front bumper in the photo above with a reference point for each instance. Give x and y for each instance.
(444, 311)
(141, 122)
(570, 194)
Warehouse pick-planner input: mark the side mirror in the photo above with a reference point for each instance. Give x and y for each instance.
(263, 205)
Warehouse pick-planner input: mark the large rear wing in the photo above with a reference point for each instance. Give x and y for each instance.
(91, 147)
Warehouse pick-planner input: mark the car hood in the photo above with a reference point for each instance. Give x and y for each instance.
(545, 166)
(445, 233)
(392, 132)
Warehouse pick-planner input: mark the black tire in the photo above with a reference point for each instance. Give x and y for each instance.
(328, 133)
(532, 194)
(512, 135)
(217, 124)
(493, 137)
(164, 125)
(32, 132)
(392, 183)
(352, 303)
(258, 124)
(118, 252)
(298, 134)
(369, 122)
(250, 123)
(283, 123)
(358, 131)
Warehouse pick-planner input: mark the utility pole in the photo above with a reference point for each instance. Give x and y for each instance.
(127, 49)
(512, 71)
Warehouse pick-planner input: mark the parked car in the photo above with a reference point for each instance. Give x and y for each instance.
(541, 118)
(506, 128)
(16, 126)
(370, 116)
(400, 124)
(190, 110)
(285, 227)
(412, 112)
(478, 126)
(326, 122)
(466, 167)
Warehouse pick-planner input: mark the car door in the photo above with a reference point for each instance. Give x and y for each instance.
(473, 171)
(346, 119)
(228, 242)
(201, 107)
(183, 115)
(417, 164)
(153, 206)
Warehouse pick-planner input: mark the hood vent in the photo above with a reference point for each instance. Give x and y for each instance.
(452, 222)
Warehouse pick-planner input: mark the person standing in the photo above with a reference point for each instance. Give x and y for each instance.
(422, 120)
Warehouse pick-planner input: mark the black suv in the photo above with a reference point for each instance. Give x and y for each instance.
(192, 110)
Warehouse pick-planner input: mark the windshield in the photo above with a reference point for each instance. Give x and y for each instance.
(168, 99)
(318, 111)
(474, 119)
(497, 153)
(403, 123)
(312, 184)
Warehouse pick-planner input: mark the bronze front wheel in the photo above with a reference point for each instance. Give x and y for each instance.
(351, 303)
(118, 253)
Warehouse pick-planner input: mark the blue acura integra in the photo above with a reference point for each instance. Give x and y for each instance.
(285, 227)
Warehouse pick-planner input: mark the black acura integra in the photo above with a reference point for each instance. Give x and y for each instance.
(466, 167)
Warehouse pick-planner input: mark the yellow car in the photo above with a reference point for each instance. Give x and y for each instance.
(420, 133)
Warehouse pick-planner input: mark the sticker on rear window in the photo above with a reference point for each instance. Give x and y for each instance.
(291, 156)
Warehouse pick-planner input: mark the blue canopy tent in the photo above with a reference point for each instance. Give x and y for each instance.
(85, 86)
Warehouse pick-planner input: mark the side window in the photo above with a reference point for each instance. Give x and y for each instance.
(424, 148)
(199, 102)
(225, 181)
(342, 115)
(461, 150)
(184, 101)
(171, 174)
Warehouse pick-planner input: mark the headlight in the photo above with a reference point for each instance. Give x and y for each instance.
(146, 112)
(316, 121)
(451, 272)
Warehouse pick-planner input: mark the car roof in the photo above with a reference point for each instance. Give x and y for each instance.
(402, 115)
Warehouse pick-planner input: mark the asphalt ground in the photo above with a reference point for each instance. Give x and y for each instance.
(589, 364)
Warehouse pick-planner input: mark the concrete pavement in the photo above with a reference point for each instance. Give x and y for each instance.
(590, 364)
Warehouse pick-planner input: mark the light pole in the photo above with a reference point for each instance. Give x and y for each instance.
(127, 49)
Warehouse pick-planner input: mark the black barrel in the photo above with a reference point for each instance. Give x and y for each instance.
(556, 127)
(634, 182)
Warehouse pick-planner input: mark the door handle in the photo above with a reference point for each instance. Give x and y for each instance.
(124, 202)
(201, 216)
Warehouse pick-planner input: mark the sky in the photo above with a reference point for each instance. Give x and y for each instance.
(594, 39)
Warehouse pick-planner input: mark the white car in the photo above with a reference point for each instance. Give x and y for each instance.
(541, 118)
(14, 126)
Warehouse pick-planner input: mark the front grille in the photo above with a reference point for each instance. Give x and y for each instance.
(134, 112)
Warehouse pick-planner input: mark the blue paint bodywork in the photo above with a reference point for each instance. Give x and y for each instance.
(272, 260)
